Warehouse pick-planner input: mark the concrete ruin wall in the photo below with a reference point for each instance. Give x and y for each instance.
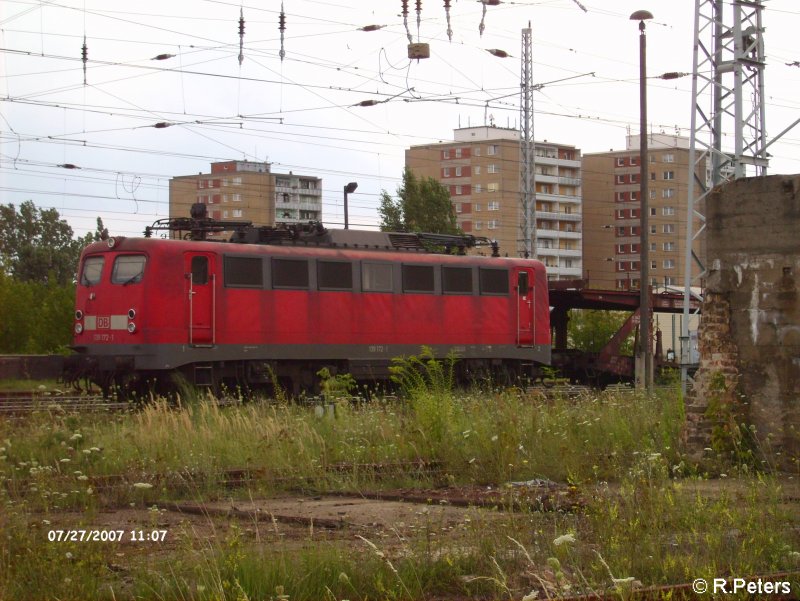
(749, 336)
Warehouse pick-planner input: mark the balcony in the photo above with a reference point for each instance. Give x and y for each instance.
(551, 160)
(558, 252)
(558, 215)
(545, 233)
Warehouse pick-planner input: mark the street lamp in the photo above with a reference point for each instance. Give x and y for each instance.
(644, 352)
(348, 189)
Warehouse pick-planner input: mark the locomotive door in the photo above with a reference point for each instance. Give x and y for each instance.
(201, 297)
(525, 307)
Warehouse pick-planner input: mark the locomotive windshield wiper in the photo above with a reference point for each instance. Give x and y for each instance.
(132, 279)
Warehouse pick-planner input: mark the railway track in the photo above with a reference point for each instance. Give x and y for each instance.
(22, 402)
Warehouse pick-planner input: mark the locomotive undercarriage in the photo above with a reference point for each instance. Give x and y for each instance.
(118, 376)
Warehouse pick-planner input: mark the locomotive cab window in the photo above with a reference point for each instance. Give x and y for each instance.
(92, 270)
(199, 270)
(290, 273)
(522, 281)
(457, 280)
(128, 269)
(244, 272)
(418, 278)
(376, 277)
(493, 281)
(334, 275)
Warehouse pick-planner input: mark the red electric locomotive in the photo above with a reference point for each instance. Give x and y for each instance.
(285, 302)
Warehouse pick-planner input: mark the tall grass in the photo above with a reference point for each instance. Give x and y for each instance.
(643, 521)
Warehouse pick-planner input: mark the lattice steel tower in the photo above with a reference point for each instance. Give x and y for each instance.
(526, 243)
(728, 135)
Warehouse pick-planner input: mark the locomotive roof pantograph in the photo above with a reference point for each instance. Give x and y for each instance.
(199, 226)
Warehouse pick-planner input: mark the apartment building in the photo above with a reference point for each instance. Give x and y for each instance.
(249, 191)
(481, 169)
(611, 218)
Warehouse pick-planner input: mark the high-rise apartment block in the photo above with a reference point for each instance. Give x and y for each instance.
(481, 168)
(611, 219)
(249, 191)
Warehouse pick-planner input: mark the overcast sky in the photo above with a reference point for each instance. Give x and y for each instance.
(302, 114)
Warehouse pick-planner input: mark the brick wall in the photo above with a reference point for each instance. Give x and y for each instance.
(750, 329)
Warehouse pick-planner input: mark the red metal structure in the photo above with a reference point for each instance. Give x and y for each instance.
(278, 303)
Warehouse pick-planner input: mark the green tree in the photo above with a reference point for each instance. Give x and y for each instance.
(36, 245)
(422, 205)
(590, 330)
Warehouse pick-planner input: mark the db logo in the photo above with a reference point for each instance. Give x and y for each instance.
(103, 322)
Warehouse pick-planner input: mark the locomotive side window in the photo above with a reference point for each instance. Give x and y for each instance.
(199, 270)
(376, 277)
(290, 273)
(418, 278)
(128, 269)
(92, 269)
(493, 281)
(334, 275)
(457, 280)
(244, 272)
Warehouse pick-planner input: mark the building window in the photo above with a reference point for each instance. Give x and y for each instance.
(669, 228)
(476, 169)
(458, 171)
(620, 266)
(492, 224)
(668, 246)
(652, 211)
(476, 189)
(620, 196)
(492, 149)
(668, 193)
(652, 194)
(620, 179)
(458, 207)
(670, 281)
(236, 197)
(668, 157)
(653, 229)
(621, 249)
(477, 225)
(493, 206)
(634, 196)
(445, 154)
(620, 214)
(653, 264)
(476, 207)
(668, 210)
(282, 181)
(446, 172)
(669, 263)
(201, 183)
(620, 161)
(237, 212)
(493, 169)
(458, 153)
(493, 187)
(669, 175)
